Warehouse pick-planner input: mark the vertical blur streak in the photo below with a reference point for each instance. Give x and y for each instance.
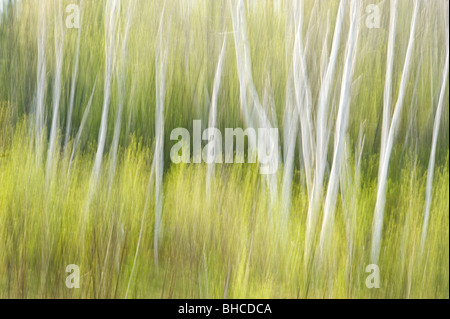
(350, 192)
(384, 162)
(110, 35)
(80, 130)
(41, 72)
(120, 73)
(2, 4)
(59, 46)
(161, 69)
(290, 125)
(240, 65)
(303, 99)
(111, 19)
(252, 106)
(73, 86)
(213, 111)
(322, 132)
(341, 127)
(437, 121)
(158, 158)
(387, 97)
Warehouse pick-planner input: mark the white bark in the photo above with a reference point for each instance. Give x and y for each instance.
(384, 162)
(341, 126)
(437, 121)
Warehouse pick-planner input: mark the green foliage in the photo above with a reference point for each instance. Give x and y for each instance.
(230, 243)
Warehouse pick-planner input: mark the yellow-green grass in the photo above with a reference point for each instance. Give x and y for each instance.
(228, 245)
(232, 243)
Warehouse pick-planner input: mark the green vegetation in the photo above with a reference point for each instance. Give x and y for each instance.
(230, 240)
